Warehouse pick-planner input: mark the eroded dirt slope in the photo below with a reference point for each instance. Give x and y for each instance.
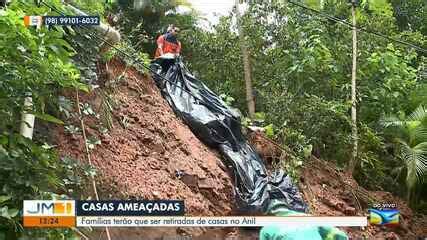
(332, 193)
(149, 153)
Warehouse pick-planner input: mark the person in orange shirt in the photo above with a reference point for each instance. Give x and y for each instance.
(168, 43)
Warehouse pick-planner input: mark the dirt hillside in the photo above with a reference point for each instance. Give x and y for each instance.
(149, 153)
(331, 192)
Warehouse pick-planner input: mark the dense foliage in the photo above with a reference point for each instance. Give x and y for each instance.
(36, 62)
(301, 65)
(143, 21)
(411, 138)
(44, 64)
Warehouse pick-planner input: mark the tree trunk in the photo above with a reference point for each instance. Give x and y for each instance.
(354, 137)
(246, 65)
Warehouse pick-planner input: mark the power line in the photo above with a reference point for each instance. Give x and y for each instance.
(137, 62)
(232, 118)
(362, 29)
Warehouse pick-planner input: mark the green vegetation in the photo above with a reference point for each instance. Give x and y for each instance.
(38, 63)
(301, 65)
(143, 21)
(411, 137)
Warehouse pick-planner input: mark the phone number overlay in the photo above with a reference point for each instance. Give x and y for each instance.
(71, 20)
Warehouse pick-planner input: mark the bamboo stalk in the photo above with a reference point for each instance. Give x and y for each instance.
(246, 65)
(354, 137)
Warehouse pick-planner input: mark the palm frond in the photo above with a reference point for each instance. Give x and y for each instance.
(419, 114)
(416, 162)
(392, 121)
(420, 134)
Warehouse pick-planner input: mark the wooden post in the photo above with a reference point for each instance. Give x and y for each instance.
(246, 65)
(354, 137)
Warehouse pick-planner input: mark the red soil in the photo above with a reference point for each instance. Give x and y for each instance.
(331, 192)
(149, 153)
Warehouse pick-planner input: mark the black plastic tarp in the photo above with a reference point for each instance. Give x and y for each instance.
(218, 126)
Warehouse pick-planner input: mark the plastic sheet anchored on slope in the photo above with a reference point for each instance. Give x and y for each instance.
(218, 126)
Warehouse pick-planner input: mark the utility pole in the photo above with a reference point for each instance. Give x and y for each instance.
(246, 65)
(354, 137)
